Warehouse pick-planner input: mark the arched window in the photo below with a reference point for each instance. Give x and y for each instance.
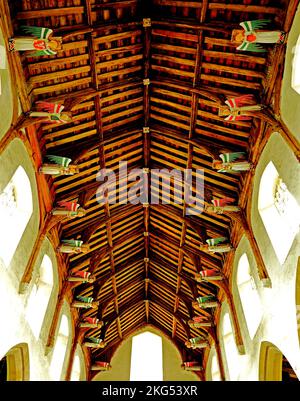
(273, 365)
(15, 211)
(230, 348)
(279, 210)
(249, 296)
(39, 296)
(149, 366)
(60, 348)
(76, 369)
(296, 68)
(14, 366)
(215, 371)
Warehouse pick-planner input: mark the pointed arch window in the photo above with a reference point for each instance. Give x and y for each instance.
(16, 208)
(76, 369)
(146, 358)
(215, 371)
(39, 297)
(249, 296)
(60, 347)
(231, 352)
(296, 68)
(279, 210)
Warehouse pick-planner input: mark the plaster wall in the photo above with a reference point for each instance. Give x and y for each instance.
(279, 314)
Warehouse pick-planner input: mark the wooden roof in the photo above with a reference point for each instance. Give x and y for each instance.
(191, 63)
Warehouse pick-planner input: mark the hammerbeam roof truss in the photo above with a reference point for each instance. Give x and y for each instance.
(192, 66)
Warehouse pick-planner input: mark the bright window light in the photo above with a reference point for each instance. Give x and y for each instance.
(249, 295)
(279, 210)
(230, 348)
(39, 296)
(60, 348)
(15, 211)
(215, 372)
(296, 68)
(76, 369)
(146, 358)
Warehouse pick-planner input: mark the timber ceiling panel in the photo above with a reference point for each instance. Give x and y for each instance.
(192, 66)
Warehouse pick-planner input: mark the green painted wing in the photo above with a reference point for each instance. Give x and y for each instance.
(62, 161)
(231, 157)
(250, 26)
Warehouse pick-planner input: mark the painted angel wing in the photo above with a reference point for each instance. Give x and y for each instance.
(240, 101)
(85, 299)
(50, 107)
(237, 118)
(230, 157)
(72, 206)
(222, 202)
(37, 31)
(39, 53)
(94, 340)
(215, 241)
(251, 47)
(250, 26)
(62, 161)
(72, 242)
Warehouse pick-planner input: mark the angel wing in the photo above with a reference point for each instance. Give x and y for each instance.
(240, 101)
(198, 319)
(208, 298)
(222, 202)
(230, 157)
(72, 206)
(251, 47)
(62, 161)
(37, 31)
(85, 299)
(72, 242)
(50, 107)
(92, 320)
(250, 26)
(82, 274)
(46, 52)
(237, 118)
(94, 340)
(216, 241)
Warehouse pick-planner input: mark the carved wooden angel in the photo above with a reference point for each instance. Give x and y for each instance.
(60, 166)
(232, 162)
(240, 108)
(252, 35)
(38, 39)
(72, 246)
(219, 206)
(68, 209)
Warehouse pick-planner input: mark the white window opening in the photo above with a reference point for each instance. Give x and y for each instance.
(146, 358)
(39, 296)
(249, 296)
(296, 68)
(60, 348)
(15, 211)
(279, 211)
(215, 371)
(230, 348)
(76, 369)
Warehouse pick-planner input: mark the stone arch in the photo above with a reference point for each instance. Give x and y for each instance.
(17, 361)
(172, 360)
(16, 155)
